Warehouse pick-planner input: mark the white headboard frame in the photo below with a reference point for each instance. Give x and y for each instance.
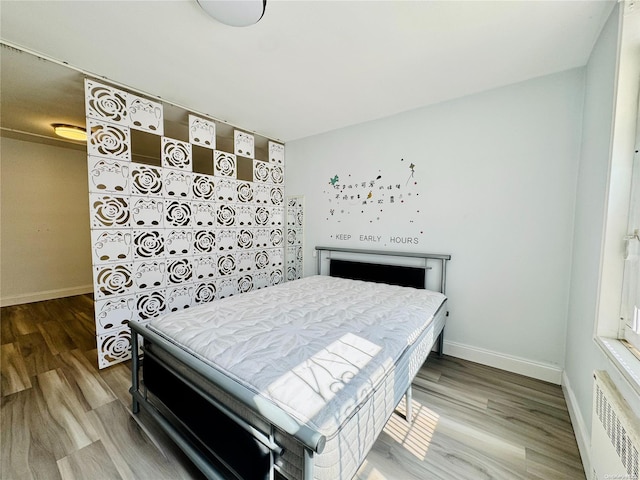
(434, 262)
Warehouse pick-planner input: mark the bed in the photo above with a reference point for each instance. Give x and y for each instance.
(294, 381)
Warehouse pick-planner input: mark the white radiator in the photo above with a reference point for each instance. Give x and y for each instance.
(615, 433)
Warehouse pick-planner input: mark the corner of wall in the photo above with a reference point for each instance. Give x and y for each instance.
(541, 371)
(579, 426)
(45, 295)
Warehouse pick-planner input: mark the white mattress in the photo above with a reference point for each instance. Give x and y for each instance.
(324, 349)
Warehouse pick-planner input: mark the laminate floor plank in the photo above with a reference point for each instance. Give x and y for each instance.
(473, 399)
(483, 379)
(558, 415)
(65, 422)
(63, 418)
(14, 376)
(534, 416)
(82, 335)
(81, 306)
(21, 319)
(165, 445)
(90, 462)
(134, 454)
(52, 311)
(485, 373)
(493, 377)
(426, 423)
(118, 377)
(446, 458)
(39, 312)
(55, 337)
(516, 430)
(36, 354)
(508, 453)
(25, 454)
(563, 468)
(532, 433)
(7, 326)
(89, 387)
(92, 356)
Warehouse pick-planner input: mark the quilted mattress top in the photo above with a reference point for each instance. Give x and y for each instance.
(316, 347)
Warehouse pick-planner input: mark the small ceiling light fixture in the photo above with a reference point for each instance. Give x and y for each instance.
(236, 13)
(70, 132)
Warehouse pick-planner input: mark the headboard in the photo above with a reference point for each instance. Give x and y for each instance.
(408, 269)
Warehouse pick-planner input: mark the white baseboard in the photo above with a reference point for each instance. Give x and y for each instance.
(579, 427)
(45, 295)
(541, 371)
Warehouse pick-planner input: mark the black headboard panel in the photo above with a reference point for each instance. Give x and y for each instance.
(373, 272)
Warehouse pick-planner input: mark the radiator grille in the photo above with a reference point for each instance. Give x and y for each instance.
(620, 429)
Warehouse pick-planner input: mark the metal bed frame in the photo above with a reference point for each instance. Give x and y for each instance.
(199, 376)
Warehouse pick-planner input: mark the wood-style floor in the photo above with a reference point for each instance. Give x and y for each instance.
(62, 418)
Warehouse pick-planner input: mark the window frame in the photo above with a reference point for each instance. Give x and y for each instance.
(630, 297)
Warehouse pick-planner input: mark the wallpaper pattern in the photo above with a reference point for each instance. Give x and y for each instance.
(165, 237)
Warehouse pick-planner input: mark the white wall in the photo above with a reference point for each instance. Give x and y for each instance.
(496, 187)
(600, 189)
(583, 356)
(44, 223)
(590, 213)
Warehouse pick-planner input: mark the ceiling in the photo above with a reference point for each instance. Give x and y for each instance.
(306, 68)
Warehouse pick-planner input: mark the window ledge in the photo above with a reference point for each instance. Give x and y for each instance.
(620, 356)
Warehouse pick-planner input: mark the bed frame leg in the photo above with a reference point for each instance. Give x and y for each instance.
(308, 464)
(408, 398)
(135, 367)
(441, 343)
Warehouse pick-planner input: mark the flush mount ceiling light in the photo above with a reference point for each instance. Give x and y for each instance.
(70, 132)
(237, 13)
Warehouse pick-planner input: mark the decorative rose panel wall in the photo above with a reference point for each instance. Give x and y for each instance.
(295, 222)
(166, 237)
